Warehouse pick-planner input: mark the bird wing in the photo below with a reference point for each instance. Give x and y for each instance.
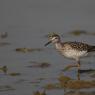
(78, 45)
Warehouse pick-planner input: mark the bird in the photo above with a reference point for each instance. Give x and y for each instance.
(72, 50)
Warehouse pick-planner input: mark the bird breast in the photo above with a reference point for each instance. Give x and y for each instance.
(73, 53)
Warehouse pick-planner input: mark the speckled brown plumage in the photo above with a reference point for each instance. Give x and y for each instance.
(77, 45)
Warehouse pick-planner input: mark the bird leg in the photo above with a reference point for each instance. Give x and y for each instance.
(78, 64)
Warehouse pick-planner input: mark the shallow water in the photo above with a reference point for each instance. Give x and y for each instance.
(27, 25)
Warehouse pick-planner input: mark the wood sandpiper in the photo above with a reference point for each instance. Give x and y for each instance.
(72, 50)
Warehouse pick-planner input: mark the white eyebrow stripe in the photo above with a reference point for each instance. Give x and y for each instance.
(53, 38)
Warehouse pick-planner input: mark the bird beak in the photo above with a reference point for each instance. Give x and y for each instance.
(48, 43)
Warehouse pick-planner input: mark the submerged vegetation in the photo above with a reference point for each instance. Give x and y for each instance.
(51, 86)
(14, 74)
(67, 82)
(39, 64)
(40, 93)
(81, 32)
(78, 32)
(4, 69)
(25, 50)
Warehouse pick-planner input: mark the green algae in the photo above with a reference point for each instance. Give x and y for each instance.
(75, 84)
(4, 69)
(51, 86)
(39, 64)
(14, 74)
(81, 32)
(25, 50)
(67, 82)
(78, 32)
(64, 79)
(39, 93)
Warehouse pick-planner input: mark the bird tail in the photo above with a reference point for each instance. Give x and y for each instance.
(91, 48)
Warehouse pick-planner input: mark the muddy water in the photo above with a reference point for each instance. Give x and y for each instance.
(27, 25)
